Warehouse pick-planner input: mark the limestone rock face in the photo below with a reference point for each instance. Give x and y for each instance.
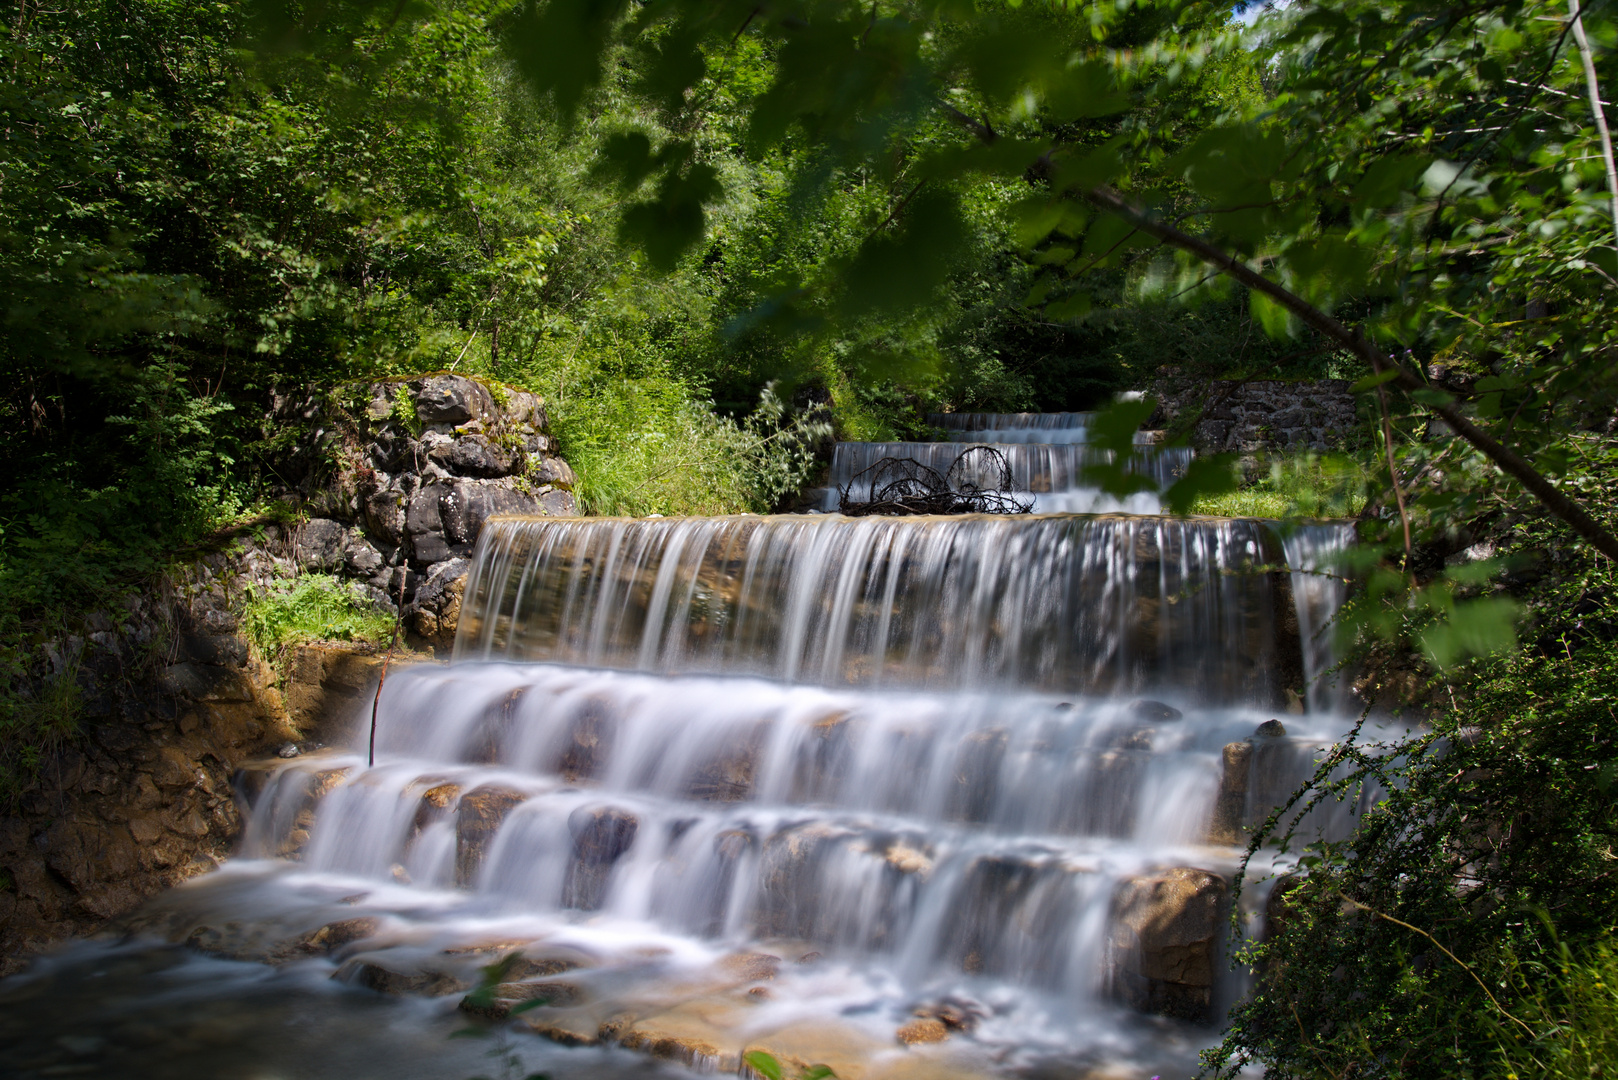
(473, 455)
(438, 603)
(320, 544)
(1165, 941)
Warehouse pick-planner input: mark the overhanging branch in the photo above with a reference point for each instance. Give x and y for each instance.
(1508, 460)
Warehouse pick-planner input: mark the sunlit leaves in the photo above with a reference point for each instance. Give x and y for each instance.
(1207, 476)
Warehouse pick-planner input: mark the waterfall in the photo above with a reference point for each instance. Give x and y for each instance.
(1319, 590)
(1062, 427)
(952, 795)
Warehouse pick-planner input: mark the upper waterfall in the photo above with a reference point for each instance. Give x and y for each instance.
(1054, 473)
(1096, 605)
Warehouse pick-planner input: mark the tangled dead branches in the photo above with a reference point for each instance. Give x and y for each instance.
(978, 482)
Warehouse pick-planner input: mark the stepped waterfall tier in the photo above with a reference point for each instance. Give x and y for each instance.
(920, 796)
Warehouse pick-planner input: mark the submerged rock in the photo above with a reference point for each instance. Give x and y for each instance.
(925, 1030)
(1153, 711)
(600, 836)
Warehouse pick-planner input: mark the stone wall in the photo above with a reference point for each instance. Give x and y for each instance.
(1258, 415)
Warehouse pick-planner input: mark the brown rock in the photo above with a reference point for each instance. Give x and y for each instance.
(1165, 941)
(326, 683)
(479, 817)
(751, 966)
(926, 1030)
(85, 854)
(554, 995)
(434, 806)
(331, 937)
(374, 976)
(146, 829)
(728, 777)
(1230, 808)
(173, 769)
(591, 738)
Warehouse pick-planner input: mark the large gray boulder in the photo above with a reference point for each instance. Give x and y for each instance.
(474, 455)
(452, 399)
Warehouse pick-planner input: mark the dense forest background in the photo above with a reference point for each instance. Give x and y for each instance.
(200, 215)
(691, 227)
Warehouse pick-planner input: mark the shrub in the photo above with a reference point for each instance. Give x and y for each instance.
(314, 607)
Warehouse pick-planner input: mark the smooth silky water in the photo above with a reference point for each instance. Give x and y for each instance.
(749, 781)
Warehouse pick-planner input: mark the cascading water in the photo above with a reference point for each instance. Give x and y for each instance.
(1321, 588)
(1060, 427)
(819, 786)
(1108, 604)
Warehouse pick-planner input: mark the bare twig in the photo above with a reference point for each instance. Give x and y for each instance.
(1393, 474)
(398, 617)
(1464, 965)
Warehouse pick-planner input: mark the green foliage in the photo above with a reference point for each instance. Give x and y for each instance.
(1307, 485)
(311, 607)
(769, 1067)
(1501, 808)
(1570, 1005)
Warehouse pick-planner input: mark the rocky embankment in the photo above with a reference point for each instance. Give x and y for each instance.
(172, 698)
(398, 481)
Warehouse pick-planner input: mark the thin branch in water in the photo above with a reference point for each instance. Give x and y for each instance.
(398, 617)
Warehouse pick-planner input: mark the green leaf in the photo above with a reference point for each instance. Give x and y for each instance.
(1276, 320)
(894, 272)
(1114, 427)
(1073, 306)
(1371, 382)
(669, 225)
(1390, 177)
(764, 1064)
(818, 1072)
(532, 1003)
(1473, 628)
(1084, 92)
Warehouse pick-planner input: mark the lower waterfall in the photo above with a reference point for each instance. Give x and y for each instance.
(906, 797)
